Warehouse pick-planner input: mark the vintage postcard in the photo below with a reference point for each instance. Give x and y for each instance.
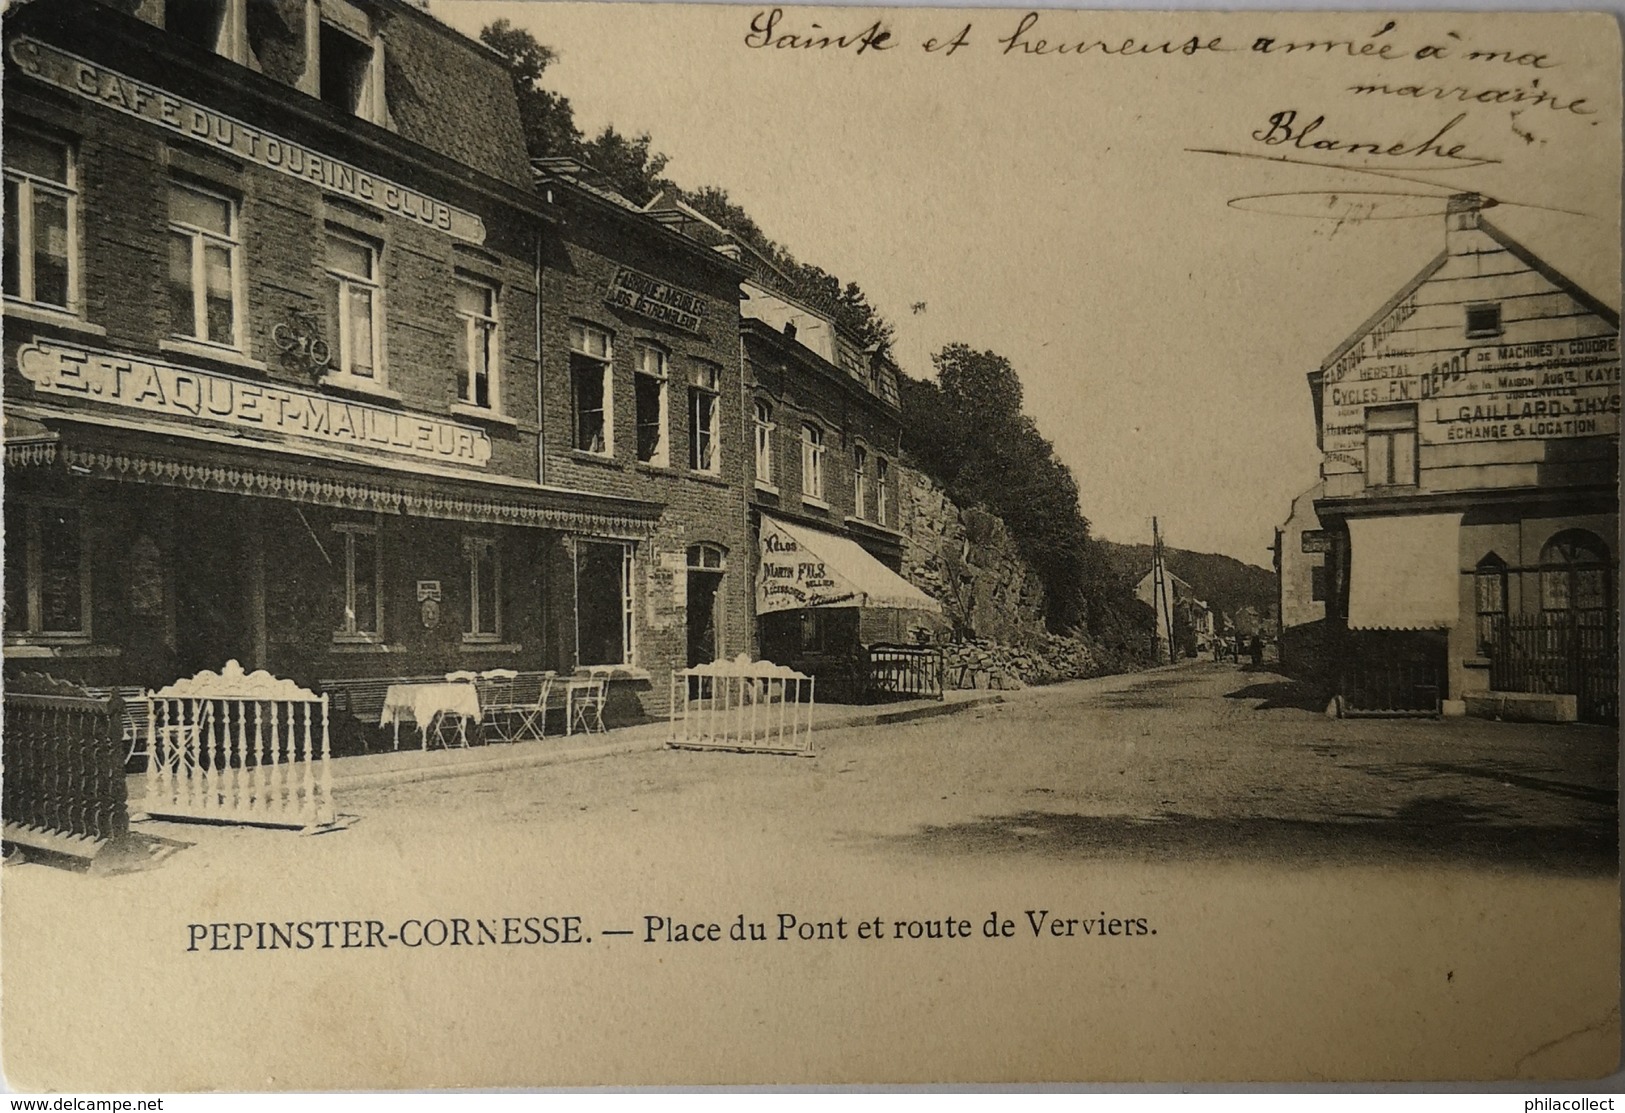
(612, 544)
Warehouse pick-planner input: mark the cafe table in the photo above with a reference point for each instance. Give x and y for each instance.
(428, 704)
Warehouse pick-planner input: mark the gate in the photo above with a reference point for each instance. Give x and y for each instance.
(904, 670)
(64, 768)
(1392, 673)
(1560, 653)
(240, 749)
(743, 705)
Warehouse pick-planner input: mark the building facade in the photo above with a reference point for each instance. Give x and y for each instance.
(644, 399)
(1470, 459)
(1302, 577)
(825, 433)
(294, 357)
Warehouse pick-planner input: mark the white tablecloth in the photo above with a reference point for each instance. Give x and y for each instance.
(420, 703)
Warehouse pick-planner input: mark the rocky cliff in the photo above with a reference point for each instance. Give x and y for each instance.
(992, 601)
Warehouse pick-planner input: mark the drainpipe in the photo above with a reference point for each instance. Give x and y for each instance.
(541, 411)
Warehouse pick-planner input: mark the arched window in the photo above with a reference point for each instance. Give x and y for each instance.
(1490, 593)
(1574, 573)
(706, 557)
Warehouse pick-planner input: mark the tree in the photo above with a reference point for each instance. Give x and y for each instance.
(627, 163)
(547, 117)
(969, 432)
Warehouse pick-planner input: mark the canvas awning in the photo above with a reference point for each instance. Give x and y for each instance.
(806, 567)
(1404, 572)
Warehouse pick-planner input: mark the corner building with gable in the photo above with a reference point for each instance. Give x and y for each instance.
(1470, 461)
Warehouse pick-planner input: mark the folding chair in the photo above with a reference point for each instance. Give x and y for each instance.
(530, 717)
(584, 698)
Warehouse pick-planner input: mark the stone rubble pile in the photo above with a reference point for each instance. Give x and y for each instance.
(984, 663)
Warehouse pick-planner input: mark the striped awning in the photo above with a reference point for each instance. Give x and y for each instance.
(181, 456)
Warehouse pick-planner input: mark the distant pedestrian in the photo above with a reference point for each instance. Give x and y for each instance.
(1257, 650)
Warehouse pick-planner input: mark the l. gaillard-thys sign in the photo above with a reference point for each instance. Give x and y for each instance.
(166, 390)
(114, 90)
(637, 293)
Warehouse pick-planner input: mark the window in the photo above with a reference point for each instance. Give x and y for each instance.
(812, 462)
(353, 296)
(202, 265)
(363, 584)
(764, 444)
(41, 221)
(47, 571)
(860, 480)
(233, 29)
(1484, 320)
(649, 385)
(706, 557)
(352, 76)
(1574, 574)
(603, 582)
(591, 389)
(882, 490)
(477, 313)
(703, 405)
(1490, 601)
(1390, 446)
(484, 589)
(1317, 583)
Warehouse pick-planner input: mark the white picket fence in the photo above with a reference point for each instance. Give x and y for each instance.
(743, 705)
(241, 748)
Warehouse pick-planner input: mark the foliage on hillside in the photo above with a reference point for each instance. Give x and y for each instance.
(632, 167)
(969, 432)
(1223, 582)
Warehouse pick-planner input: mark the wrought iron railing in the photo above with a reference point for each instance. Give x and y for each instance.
(64, 768)
(904, 671)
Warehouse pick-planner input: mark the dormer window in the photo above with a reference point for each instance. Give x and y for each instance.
(1484, 320)
(229, 28)
(350, 63)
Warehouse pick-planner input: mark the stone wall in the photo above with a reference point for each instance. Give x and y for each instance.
(966, 559)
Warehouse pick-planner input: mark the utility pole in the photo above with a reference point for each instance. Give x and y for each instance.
(1161, 602)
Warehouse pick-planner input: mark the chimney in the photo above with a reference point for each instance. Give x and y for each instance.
(1461, 216)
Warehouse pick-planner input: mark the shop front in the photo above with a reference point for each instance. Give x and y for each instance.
(823, 603)
(140, 553)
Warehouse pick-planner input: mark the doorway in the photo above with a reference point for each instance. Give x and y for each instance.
(213, 620)
(706, 567)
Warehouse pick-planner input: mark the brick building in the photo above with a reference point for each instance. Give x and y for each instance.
(825, 430)
(279, 386)
(1469, 432)
(644, 399)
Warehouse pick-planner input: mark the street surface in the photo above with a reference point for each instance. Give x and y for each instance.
(1269, 894)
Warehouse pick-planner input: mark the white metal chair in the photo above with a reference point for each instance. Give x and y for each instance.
(584, 699)
(522, 713)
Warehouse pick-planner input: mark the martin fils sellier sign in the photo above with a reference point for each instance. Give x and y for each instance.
(169, 391)
(637, 293)
(188, 118)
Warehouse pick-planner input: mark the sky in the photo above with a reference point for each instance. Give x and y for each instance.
(1059, 208)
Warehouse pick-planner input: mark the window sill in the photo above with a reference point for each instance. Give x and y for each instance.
(484, 414)
(814, 501)
(471, 646)
(1475, 663)
(767, 488)
(230, 356)
(599, 458)
(707, 477)
(350, 384)
(654, 467)
(359, 646)
(43, 315)
(34, 650)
